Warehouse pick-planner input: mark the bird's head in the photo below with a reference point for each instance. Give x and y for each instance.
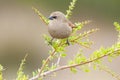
(57, 16)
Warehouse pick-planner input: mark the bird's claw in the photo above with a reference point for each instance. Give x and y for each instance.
(67, 42)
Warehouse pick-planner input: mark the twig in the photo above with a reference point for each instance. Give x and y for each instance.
(106, 69)
(46, 61)
(40, 15)
(80, 43)
(43, 66)
(71, 7)
(84, 35)
(58, 61)
(74, 65)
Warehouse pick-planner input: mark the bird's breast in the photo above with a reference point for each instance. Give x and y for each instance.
(59, 30)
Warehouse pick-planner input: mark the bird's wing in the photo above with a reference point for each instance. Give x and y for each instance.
(71, 24)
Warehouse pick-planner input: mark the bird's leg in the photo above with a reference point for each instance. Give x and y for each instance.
(51, 41)
(67, 42)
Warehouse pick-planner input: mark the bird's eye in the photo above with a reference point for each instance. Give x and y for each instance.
(54, 17)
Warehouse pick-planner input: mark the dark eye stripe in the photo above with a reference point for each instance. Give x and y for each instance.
(54, 17)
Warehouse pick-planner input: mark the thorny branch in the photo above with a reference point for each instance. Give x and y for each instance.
(41, 16)
(46, 61)
(74, 65)
(106, 69)
(85, 35)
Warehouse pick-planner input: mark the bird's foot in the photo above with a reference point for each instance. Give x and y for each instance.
(67, 42)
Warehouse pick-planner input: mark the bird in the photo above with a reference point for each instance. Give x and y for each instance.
(59, 26)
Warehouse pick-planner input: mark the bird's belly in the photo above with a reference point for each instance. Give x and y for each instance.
(60, 32)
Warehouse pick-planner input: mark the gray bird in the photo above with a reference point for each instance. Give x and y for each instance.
(59, 26)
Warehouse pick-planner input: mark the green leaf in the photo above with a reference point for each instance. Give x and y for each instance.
(20, 73)
(86, 70)
(71, 62)
(109, 58)
(71, 7)
(47, 38)
(94, 67)
(74, 70)
(53, 67)
(117, 26)
(1, 75)
(63, 54)
(42, 17)
(1, 68)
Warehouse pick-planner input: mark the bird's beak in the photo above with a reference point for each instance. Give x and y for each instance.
(50, 18)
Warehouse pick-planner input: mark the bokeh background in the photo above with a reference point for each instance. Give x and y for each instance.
(21, 32)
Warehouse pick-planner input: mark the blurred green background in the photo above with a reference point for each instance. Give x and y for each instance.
(21, 32)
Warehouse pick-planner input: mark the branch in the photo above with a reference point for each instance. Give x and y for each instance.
(106, 69)
(46, 62)
(71, 7)
(53, 53)
(43, 18)
(74, 65)
(43, 66)
(85, 34)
